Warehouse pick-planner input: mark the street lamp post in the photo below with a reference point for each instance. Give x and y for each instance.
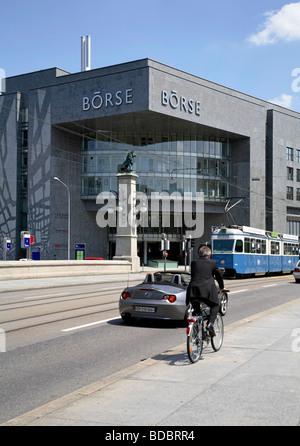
(69, 215)
(143, 210)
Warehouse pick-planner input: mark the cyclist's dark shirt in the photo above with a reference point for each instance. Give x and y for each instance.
(202, 284)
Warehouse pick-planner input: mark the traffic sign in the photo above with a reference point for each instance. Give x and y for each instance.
(25, 239)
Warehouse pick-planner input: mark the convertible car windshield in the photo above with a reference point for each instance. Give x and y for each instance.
(168, 277)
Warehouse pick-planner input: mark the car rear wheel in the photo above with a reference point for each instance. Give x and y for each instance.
(126, 317)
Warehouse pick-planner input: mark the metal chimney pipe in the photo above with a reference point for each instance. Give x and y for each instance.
(82, 53)
(85, 53)
(88, 53)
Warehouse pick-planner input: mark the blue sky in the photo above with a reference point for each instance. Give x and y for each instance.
(251, 47)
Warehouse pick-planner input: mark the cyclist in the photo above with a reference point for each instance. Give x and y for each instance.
(202, 287)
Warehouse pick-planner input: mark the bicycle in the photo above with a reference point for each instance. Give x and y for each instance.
(197, 332)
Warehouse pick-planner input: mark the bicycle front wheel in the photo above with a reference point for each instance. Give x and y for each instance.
(217, 341)
(195, 341)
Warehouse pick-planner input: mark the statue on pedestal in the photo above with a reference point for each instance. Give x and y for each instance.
(127, 166)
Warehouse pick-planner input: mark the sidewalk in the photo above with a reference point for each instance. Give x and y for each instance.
(253, 380)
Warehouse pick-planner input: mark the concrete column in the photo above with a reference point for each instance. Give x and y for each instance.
(126, 237)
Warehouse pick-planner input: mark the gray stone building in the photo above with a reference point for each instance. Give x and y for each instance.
(189, 135)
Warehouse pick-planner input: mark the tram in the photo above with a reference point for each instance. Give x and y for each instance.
(246, 251)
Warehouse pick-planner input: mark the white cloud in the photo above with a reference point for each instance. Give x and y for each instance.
(285, 100)
(280, 25)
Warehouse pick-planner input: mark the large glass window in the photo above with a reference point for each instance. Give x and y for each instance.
(164, 162)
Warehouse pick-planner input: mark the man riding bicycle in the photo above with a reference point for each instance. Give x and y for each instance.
(202, 287)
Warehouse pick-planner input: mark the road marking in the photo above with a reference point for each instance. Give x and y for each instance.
(238, 291)
(90, 324)
(266, 286)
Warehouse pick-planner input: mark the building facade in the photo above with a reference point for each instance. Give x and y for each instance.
(188, 134)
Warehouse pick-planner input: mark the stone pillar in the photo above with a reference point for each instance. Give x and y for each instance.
(126, 237)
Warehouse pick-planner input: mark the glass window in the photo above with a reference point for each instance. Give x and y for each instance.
(91, 164)
(274, 248)
(289, 193)
(289, 249)
(206, 146)
(223, 245)
(247, 245)
(290, 173)
(239, 246)
(253, 246)
(167, 155)
(289, 154)
(293, 227)
(84, 164)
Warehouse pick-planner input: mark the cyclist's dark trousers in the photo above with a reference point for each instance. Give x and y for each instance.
(214, 308)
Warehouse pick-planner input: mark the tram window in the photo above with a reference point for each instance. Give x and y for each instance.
(247, 245)
(263, 247)
(223, 245)
(239, 246)
(290, 249)
(275, 248)
(253, 246)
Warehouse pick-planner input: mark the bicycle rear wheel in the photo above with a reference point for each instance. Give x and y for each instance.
(195, 341)
(217, 341)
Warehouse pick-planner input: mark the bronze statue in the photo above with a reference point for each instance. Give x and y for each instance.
(128, 163)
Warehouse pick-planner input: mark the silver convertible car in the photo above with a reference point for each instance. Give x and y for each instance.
(162, 295)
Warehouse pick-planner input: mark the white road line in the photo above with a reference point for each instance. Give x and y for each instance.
(238, 291)
(92, 323)
(266, 286)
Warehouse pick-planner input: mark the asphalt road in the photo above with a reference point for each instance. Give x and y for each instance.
(61, 339)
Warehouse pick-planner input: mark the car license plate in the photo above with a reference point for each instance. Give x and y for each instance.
(145, 309)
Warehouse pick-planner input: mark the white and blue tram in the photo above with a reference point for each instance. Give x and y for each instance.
(242, 250)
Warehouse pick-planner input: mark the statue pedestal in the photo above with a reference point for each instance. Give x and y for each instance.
(126, 237)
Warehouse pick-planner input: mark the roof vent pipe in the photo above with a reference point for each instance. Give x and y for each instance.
(85, 53)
